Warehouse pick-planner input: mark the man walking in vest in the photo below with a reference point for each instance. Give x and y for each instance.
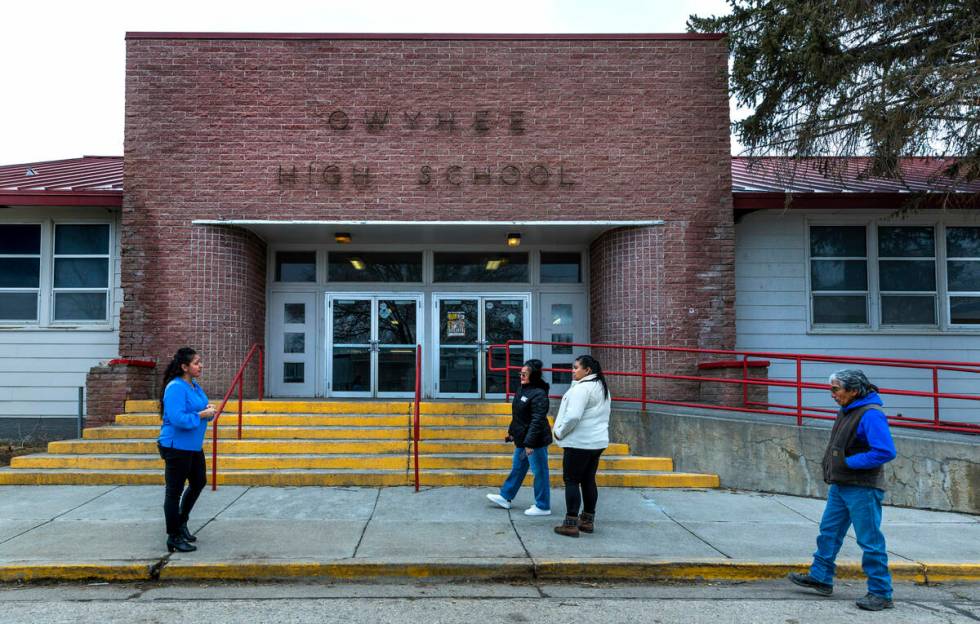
(860, 444)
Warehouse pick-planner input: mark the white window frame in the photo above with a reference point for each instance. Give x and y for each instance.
(45, 315)
(109, 271)
(872, 223)
(958, 293)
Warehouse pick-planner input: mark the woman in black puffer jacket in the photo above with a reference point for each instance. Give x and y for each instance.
(531, 433)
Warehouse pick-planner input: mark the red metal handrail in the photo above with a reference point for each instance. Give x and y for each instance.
(797, 411)
(415, 422)
(238, 380)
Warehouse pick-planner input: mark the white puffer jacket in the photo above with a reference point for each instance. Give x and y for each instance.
(583, 418)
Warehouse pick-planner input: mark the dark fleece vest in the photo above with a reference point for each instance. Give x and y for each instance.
(844, 443)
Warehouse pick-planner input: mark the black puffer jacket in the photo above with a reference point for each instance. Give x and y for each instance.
(529, 426)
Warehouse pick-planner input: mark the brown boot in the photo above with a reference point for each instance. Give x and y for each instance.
(586, 523)
(568, 528)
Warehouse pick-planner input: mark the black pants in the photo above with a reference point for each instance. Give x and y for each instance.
(182, 466)
(578, 469)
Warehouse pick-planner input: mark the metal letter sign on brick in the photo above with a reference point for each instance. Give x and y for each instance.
(376, 121)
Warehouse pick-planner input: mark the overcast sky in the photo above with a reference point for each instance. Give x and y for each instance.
(63, 61)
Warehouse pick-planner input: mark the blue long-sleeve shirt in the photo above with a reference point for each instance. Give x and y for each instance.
(182, 427)
(873, 430)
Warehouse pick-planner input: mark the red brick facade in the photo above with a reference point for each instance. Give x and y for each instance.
(423, 129)
(108, 387)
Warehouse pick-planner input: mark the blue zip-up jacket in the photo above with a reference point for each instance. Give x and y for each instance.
(182, 428)
(873, 429)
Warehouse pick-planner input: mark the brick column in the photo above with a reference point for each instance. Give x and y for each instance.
(109, 386)
(670, 285)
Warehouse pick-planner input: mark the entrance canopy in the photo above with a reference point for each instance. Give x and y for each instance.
(431, 232)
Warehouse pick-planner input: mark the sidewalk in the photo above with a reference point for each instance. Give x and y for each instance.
(117, 533)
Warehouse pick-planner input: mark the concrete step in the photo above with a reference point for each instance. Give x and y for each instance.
(132, 461)
(336, 420)
(137, 432)
(490, 478)
(307, 447)
(280, 406)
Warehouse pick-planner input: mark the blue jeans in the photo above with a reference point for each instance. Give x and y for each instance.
(538, 463)
(860, 506)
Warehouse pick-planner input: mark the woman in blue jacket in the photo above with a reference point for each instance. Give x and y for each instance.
(185, 412)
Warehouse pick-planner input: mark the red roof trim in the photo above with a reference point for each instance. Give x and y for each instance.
(107, 199)
(845, 201)
(430, 36)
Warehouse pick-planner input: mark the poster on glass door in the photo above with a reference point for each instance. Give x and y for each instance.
(456, 324)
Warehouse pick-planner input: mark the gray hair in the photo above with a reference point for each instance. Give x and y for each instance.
(853, 379)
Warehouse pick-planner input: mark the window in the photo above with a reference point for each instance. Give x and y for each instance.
(20, 271)
(963, 274)
(839, 275)
(564, 268)
(295, 266)
(895, 276)
(480, 267)
(81, 272)
(907, 275)
(55, 273)
(374, 266)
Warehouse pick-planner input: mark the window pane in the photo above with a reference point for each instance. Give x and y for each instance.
(964, 275)
(964, 310)
(481, 267)
(351, 321)
(907, 275)
(906, 242)
(832, 241)
(292, 372)
(18, 306)
(20, 239)
(20, 272)
(295, 266)
(908, 310)
(294, 342)
(838, 275)
(559, 376)
(375, 267)
(840, 309)
(561, 268)
(963, 242)
(561, 349)
(79, 306)
(396, 321)
(294, 313)
(81, 272)
(81, 239)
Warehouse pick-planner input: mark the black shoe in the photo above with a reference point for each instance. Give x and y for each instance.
(186, 534)
(805, 580)
(176, 542)
(874, 602)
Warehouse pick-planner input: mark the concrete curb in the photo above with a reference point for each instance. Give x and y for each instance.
(477, 569)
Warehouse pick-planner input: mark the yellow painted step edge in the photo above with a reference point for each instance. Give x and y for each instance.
(341, 407)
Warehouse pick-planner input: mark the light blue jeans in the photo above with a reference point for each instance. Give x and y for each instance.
(860, 506)
(538, 463)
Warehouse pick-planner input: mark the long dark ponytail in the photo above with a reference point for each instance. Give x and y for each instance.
(589, 362)
(184, 355)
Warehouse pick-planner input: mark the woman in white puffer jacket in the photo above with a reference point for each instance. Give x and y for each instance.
(582, 430)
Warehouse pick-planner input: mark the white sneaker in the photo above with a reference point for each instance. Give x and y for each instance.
(533, 510)
(499, 500)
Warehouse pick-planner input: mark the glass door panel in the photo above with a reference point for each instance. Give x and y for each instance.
(503, 321)
(397, 323)
(351, 340)
(459, 346)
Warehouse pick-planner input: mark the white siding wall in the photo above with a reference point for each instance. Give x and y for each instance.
(41, 368)
(772, 315)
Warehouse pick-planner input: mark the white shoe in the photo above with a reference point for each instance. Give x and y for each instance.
(533, 510)
(499, 500)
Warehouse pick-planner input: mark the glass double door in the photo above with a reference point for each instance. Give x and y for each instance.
(371, 344)
(465, 327)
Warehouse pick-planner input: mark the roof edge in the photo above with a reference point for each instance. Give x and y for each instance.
(105, 199)
(430, 36)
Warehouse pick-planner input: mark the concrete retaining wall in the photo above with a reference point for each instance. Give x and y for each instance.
(771, 454)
